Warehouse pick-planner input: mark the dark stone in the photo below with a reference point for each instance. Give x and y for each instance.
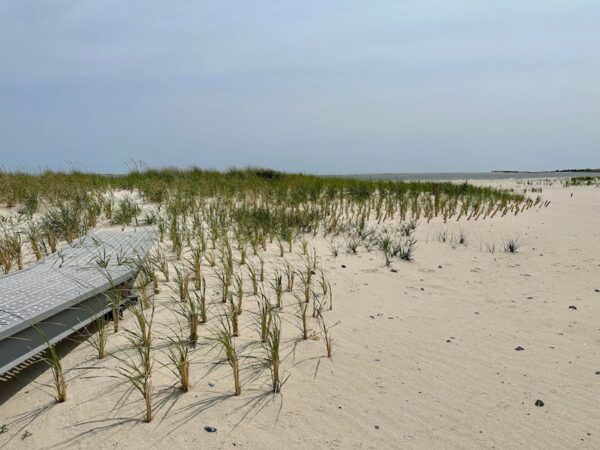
(519, 348)
(539, 403)
(210, 429)
(377, 427)
(572, 307)
(343, 266)
(394, 270)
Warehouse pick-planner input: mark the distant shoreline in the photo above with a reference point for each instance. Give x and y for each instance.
(549, 171)
(454, 176)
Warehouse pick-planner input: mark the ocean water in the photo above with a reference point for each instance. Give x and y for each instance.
(469, 175)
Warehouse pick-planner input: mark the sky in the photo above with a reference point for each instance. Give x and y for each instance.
(327, 86)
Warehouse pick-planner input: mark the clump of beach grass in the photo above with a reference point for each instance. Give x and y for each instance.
(137, 369)
(225, 339)
(53, 360)
(272, 347)
(265, 314)
(178, 355)
(334, 248)
(277, 286)
(511, 245)
(127, 210)
(302, 314)
(99, 337)
(327, 338)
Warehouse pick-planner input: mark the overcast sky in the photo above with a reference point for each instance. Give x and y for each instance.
(321, 86)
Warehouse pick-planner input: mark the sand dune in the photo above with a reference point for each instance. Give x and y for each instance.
(424, 357)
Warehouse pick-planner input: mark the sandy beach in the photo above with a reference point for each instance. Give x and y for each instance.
(424, 355)
(299, 225)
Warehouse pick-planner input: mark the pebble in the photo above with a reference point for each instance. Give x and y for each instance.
(572, 307)
(539, 403)
(343, 266)
(519, 348)
(210, 429)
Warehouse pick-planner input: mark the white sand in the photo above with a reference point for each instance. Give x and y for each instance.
(394, 381)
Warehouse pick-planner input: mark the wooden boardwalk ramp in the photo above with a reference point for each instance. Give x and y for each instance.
(64, 292)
